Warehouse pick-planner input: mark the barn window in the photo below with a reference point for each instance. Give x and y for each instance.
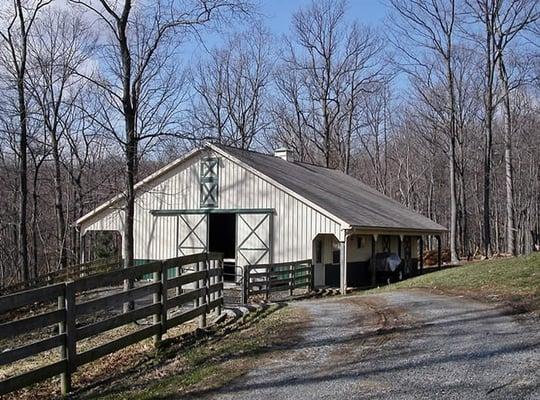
(209, 182)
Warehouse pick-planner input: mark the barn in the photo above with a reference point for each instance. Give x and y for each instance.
(264, 209)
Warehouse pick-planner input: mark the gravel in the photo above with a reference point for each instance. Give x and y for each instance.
(400, 345)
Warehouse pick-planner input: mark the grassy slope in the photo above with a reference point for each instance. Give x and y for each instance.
(512, 279)
(180, 373)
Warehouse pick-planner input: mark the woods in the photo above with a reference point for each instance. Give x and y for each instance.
(436, 106)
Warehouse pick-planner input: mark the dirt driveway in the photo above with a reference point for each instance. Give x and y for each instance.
(400, 345)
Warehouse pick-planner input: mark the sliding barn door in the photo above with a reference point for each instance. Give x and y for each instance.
(253, 239)
(192, 233)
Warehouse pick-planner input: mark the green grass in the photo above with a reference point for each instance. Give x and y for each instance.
(514, 279)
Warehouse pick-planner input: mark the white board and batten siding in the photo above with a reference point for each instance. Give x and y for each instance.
(294, 223)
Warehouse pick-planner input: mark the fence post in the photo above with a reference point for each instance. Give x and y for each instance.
(267, 294)
(311, 277)
(156, 299)
(220, 281)
(68, 328)
(65, 378)
(201, 266)
(212, 280)
(291, 279)
(164, 296)
(245, 284)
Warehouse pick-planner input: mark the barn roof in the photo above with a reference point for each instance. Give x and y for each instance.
(336, 192)
(340, 195)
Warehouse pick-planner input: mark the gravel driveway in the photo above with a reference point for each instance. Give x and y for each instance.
(400, 345)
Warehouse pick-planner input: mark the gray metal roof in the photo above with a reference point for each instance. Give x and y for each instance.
(341, 195)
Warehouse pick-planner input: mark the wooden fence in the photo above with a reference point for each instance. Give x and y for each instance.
(268, 278)
(70, 273)
(168, 295)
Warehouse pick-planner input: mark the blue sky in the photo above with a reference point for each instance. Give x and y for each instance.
(279, 12)
(277, 15)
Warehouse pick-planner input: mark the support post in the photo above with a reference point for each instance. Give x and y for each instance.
(268, 282)
(156, 299)
(220, 281)
(69, 350)
(343, 266)
(439, 259)
(312, 277)
(82, 247)
(372, 261)
(421, 254)
(291, 279)
(205, 295)
(65, 377)
(197, 301)
(245, 284)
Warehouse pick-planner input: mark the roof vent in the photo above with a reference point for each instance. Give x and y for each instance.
(284, 153)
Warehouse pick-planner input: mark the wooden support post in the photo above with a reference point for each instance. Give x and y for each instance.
(291, 279)
(268, 282)
(372, 261)
(400, 240)
(343, 266)
(177, 272)
(65, 378)
(312, 277)
(421, 254)
(220, 281)
(69, 349)
(245, 284)
(439, 259)
(213, 281)
(164, 296)
(204, 296)
(156, 299)
(82, 248)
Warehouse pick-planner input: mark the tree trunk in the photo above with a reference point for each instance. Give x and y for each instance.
(488, 139)
(59, 204)
(453, 195)
(23, 182)
(131, 144)
(509, 179)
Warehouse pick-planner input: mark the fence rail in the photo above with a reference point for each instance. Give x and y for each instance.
(70, 273)
(168, 296)
(268, 278)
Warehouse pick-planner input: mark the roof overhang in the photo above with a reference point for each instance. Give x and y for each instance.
(400, 231)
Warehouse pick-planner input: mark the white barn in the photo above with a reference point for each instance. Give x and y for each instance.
(263, 209)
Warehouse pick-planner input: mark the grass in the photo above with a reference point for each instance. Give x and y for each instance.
(180, 371)
(515, 280)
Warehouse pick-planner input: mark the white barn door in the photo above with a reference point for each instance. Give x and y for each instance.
(192, 233)
(253, 238)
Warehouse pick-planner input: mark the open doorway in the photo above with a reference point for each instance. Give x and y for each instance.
(222, 239)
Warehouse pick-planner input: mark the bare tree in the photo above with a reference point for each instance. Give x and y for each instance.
(19, 20)
(142, 41)
(511, 20)
(432, 26)
(232, 86)
(329, 64)
(58, 54)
